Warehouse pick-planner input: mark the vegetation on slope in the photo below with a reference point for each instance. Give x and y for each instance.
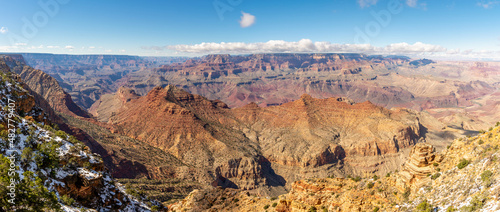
(42, 169)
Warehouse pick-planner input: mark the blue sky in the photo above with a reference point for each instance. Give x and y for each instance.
(433, 28)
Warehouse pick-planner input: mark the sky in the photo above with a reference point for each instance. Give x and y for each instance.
(441, 29)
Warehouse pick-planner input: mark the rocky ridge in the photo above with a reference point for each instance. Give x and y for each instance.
(47, 94)
(44, 85)
(70, 118)
(52, 170)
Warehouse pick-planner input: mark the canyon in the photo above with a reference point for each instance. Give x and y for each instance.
(461, 94)
(261, 122)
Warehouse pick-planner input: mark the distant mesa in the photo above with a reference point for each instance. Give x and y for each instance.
(421, 62)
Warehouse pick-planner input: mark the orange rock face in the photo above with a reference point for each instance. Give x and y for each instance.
(252, 146)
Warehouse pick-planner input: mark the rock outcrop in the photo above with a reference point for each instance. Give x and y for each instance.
(109, 103)
(418, 167)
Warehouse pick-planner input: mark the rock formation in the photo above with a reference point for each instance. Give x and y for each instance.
(250, 147)
(418, 167)
(109, 103)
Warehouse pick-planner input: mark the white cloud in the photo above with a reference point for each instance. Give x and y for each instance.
(7, 48)
(414, 48)
(488, 4)
(92, 47)
(69, 47)
(453, 51)
(366, 3)
(123, 50)
(417, 49)
(247, 19)
(412, 3)
(4, 30)
(304, 45)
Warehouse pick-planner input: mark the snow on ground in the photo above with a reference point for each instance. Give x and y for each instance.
(88, 174)
(40, 135)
